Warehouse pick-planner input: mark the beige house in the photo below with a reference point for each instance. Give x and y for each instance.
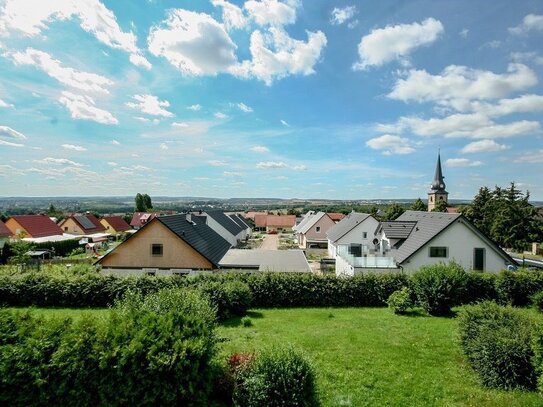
(311, 232)
(175, 244)
(81, 225)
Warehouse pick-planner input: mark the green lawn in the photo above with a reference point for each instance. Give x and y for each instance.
(370, 357)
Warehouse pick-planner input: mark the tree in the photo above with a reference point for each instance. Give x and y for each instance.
(418, 205)
(441, 206)
(143, 202)
(393, 211)
(147, 201)
(20, 251)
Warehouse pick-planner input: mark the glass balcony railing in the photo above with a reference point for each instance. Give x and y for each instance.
(360, 257)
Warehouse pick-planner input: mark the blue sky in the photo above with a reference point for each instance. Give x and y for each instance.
(269, 98)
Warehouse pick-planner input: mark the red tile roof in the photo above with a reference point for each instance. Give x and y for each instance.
(275, 221)
(260, 220)
(252, 214)
(452, 210)
(87, 222)
(117, 223)
(38, 225)
(141, 218)
(4, 231)
(336, 217)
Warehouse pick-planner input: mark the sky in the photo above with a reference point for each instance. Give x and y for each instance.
(269, 98)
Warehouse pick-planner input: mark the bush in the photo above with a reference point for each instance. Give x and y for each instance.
(400, 301)
(276, 377)
(230, 298)
(154, 350)
(496, 341)
(537, 300)
(516, 287)
(439, 287)
(246, 322)
(480, 286)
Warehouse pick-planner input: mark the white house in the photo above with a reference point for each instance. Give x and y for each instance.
(225, 226)
(356, 232)
(416, 239)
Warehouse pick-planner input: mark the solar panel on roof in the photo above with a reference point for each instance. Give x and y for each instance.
(84, 222)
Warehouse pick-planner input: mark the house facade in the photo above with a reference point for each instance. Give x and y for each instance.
(81, 225)
(356, 232)
(311, 232)
(114, 224)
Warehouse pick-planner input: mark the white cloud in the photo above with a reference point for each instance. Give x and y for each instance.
(522, 104)
(299, 168)
(527, 56)
(195, 107)
(232, 15)
(483, 146)
(151, 105)
(272, 12)
(458, 84)
(58, 161)
(531, 158)
(5, 104)
(220, 115)
(181, 125)
(112, 163)
(9, 170)
(464, 33)
(341, 15)
(164, 146)
(391, 144)
(387, 44)
(193, 128)
(83, 107)
(85, 81)
(194, 43)
(146, 120)
(244, 108)
(115, 143)
(462, 162)
(271, 165)
(31, 17)
(531, 22)
(73, 147)
(284, 123)
(10, 144)
(260, 149)
(216, 163)
(232, 174)
(276, 55)
(8, 132)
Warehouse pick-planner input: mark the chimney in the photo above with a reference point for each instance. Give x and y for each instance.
(189, 217)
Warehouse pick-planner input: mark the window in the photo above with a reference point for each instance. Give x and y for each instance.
(479, 258)
(318, 229)
(364, 235)
(156, 249)
(65, 228)
(439, 251)
(355, 250)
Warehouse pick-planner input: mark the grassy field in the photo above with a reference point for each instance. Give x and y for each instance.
(370, 357)
(366, 356)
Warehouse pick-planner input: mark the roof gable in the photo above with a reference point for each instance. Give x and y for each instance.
(225, 221)
(38, 225)
(311, 222)
(4, 231)
(345, 225)
(117, 223)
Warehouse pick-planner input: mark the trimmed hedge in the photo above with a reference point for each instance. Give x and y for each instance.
(154, 350)
(497, 342)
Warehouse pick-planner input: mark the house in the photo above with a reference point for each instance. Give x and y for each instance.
(77, 224)
(114, 224)
(275, 223)
(174, 244)
(225, 226)
(246, 228)
(336, 216)
(5, 233)
(32, 226)
(311, 232)
(417, 239)
(139, 219)
(355, 231)
(251, 214)
(286, 261)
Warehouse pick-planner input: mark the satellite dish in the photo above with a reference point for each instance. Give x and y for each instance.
(375, 241)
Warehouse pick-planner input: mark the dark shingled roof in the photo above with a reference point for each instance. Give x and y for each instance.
(197, 234)
(239, 219)
(222, 219)
(397, 229)
(345, 225)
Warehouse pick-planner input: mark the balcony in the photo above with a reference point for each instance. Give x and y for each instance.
(362, 257)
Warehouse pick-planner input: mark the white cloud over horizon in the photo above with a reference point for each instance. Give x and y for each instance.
(151, 105)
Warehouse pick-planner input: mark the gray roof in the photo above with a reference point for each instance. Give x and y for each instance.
(345, 225)
(239, 220)
(397, 229)
(266, 260)
(304, 220)
(198, 235)
(310, 222)
(84, 222)
(428, 226)
(226, 222)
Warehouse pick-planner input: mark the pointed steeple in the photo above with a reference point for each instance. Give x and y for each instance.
(438, 185)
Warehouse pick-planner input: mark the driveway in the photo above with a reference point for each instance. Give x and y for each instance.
(270, 242)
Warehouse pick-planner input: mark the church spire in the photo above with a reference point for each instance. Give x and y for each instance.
(438, 185)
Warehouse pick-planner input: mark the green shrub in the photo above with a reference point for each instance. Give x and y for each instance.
(480, 286)
(230, 298)
(496, 341)
(246, 322)
(400, 301)
(276, 377)
(516, 287)
(439, 287)
(537, 300)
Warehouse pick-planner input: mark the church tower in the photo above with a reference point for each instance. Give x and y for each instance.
(437, 190)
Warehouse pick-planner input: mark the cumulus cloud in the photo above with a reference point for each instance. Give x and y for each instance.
(340, 15)
(232, 15)
(232, 174)
(150, 105)
(458, 84)
(260, 149)
(192, 128)
(396, 42)
(462, 162)
(531, 22)
(522, 104)
(194, 43)
(300, 168)
(391, 144)
(5, 104)
(83, 107)
(195, 107)
(220, 115)
(483, 146)
(181, 125)
(276, 55)
(74, 147)
(531, 158)
(8, 132)
(32, 17)
(272, 12)
(244, 108)
(86, 81)
(271, 165)
(464, 33)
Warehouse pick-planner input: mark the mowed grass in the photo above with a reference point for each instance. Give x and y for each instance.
(370, 357)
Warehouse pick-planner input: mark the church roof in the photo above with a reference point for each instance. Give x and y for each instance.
(438, 185)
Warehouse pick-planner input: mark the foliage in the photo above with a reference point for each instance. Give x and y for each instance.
(393, 211)
(516, 287)
(246, 322)
(418, 205)
(439, 287)
(441, 206)
(19, 251)
(506, 216)
(497, 342)
(155, 350)
(400, 300)
(276, 377)
(77, 251)
(230, 298)
(143, 202)
(537, 300)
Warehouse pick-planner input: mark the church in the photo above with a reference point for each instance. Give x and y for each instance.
(437, 192)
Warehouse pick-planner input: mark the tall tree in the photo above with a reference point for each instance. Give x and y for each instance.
(441, 206)
(418, 205)
(147, 202)
(393, 211)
